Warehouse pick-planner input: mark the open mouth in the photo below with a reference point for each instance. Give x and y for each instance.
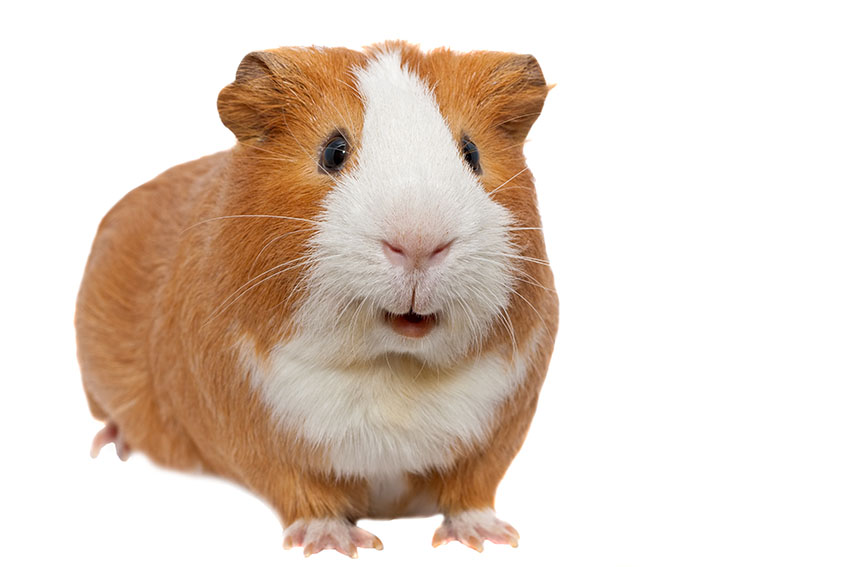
(411, 325)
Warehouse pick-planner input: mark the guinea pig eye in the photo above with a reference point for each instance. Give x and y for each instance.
(333, 155)
(470, 154)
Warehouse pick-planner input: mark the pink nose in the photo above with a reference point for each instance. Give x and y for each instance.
(415, 256)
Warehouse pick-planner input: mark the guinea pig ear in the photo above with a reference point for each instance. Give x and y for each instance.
(517, 93)
(249, 105)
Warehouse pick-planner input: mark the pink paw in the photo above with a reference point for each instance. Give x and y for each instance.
(110, 434)
(328, 533)
(473, 527)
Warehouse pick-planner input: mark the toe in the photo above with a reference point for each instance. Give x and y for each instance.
(104, 437)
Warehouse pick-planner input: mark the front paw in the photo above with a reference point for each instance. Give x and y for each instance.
(328, 533)
(473, 527)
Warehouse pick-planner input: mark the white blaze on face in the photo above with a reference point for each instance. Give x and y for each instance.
(409, 187)
(337, 381)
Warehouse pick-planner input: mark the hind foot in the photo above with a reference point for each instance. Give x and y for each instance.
(472, 527)
(328, 533)
(110, 434)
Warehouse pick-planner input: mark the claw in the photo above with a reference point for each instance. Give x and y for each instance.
(309, 550)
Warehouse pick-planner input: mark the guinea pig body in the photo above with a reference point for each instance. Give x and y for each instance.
(349, 313)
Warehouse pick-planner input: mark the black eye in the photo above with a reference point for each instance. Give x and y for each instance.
(470, 154)
(333, 155)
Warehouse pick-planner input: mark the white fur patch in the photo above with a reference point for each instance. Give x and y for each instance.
(384, 419)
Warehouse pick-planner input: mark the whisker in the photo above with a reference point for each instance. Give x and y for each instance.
(389, 366)
(357, 313)
(353, 89)
(542, 320)
(522, 274)
(472, 324)
(518, 257)
(424, 362)
(301, 283)
(260, 149)
(505, 319)
(517, 117)
(222, 308)
(526, 187)
(307, 153)
(258, 276)
(225, 217)
(535, 283)
(272, 241)
(347, 117)
(502, 316)
(347, 305)
(515, 269)
(514, 176)
(285, 160)
(476, 343)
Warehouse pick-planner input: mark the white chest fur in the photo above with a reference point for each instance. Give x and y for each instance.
(386, 418)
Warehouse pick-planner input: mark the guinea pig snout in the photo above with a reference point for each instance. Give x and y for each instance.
(415, 254)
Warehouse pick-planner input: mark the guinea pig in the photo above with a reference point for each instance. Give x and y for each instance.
(350, 312)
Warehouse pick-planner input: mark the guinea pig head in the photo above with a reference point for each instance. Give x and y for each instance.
(409, 168)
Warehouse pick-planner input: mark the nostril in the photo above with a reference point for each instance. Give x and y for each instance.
(395, 254)
(440, 249)
(394, 249)
(439, 253)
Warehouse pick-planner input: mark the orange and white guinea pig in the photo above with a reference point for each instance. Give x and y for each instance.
(350, 312)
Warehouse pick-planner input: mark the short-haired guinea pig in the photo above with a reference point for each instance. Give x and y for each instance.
(350, 312)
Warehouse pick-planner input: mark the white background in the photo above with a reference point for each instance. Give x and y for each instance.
(693, 170)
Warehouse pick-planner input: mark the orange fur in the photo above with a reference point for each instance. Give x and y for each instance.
(156, 316)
